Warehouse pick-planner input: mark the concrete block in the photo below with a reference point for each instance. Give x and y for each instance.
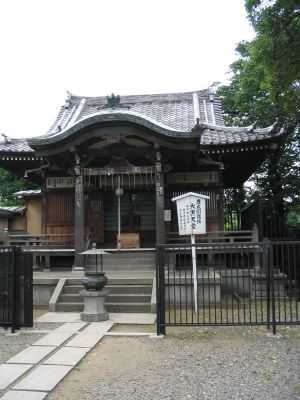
(67, 356)
(132, 318)
(31, 355)
(10, 372)
(54, 339)
(44, 378)
(70, 327)
(85, 340)
(23, 395)
(98, 327)
(59, 317)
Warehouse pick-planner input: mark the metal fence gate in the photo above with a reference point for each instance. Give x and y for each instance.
(15, 288)
(236, 284)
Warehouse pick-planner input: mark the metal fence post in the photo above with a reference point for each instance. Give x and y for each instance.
(266, 270)
(272, 287)
(13, 288)
(160, 290)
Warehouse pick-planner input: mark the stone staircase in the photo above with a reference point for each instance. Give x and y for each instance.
(126, 260)
(126, 295)
(129, 292)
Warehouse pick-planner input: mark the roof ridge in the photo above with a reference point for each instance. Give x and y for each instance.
(204, 92)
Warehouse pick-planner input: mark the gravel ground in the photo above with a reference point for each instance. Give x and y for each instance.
(208, 364)
(12, 344)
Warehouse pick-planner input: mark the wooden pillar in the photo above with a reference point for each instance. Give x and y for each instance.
(159, 196)
(79, 220)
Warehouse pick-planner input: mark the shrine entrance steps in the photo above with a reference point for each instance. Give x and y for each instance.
(124, 260)
(126, 296)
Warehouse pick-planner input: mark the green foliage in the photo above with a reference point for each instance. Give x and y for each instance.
(277, 48)
(9, 184)
(264, 89)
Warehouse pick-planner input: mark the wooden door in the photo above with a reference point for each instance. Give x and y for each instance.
(94, 217)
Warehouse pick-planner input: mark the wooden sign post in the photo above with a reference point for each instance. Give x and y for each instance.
(191, 212)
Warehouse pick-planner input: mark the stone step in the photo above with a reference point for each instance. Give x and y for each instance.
(112, 298)
(123, 267)
(70, 298)
(129, 298)
(121, 289)
(69, 307)
(117, 281)
(125, 261)
(111, 307)
(128, 307)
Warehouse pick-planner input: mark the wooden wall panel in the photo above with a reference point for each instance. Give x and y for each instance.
(59, 208)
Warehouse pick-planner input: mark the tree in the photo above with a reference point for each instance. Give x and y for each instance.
(9, 184)
(264, 88)
(277, 48)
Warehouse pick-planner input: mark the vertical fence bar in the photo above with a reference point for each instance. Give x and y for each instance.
(13, 288)
(266, 266)
(271, 248)
(161, 329)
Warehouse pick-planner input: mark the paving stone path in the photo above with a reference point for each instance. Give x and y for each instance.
(35, 371)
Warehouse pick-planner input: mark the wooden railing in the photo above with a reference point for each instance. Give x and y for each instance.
(38, 240)
(217, 237)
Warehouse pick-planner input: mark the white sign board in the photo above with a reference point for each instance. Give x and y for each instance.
(168, 215)
(191, 213)
(60, 182)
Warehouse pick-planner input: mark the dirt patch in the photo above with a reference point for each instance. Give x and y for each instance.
(218, 363)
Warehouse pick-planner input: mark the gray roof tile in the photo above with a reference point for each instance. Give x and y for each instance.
(172, 109)
(15, 146)
(176, 111)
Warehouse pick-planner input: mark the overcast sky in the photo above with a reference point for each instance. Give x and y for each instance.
(98, 47)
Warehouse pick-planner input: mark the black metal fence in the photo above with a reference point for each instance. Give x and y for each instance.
(15, 288)
(234, 284)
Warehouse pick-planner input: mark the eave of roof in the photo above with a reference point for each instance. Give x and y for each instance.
(211, 135)
(112, 116)
(28, 193)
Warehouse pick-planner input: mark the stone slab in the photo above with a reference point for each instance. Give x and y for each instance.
(59, 317)
(54, 339)
(10, 372)
(70, 327)
(67, 356)
(31, 355)
(23, 395)
(44, 377)
(98, 327)
(133, 334)
(132, 318)
(118, 318)
(85, 340)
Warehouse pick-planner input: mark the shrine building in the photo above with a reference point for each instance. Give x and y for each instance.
(136, 153)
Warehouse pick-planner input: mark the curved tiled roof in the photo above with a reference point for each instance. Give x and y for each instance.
(175, 110)
(171, 115)
(210, 134)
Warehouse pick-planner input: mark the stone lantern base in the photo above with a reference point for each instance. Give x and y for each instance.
(94, 305)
